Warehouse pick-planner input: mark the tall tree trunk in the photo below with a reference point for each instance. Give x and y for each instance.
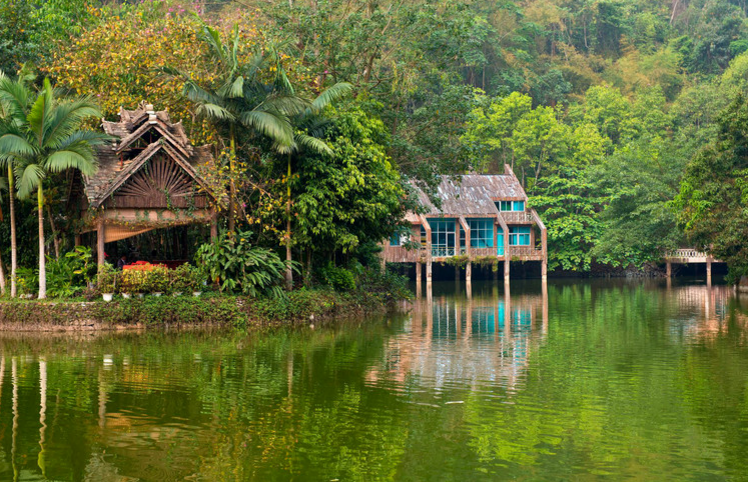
(55, 238)
(13, 246)
(2, 276)
(232, 185)
(289, 270)
(42, 260)
(308, 273)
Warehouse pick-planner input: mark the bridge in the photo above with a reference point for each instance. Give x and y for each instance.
(689, 256)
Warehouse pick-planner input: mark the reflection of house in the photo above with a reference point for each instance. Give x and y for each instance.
(473, 340)
(481, 216)
(147, 179)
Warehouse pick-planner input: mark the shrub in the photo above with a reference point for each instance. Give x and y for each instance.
(340, 279)
(181, 278)
(237, 266)
(156, 280)
(106, 279)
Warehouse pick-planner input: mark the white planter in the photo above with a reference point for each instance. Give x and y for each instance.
(107, 296)
(157, 294)
(196, 293)
(126, 296)
(178, 293)
(139, 295)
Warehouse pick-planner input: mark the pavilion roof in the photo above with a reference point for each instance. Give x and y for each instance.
(115, 167)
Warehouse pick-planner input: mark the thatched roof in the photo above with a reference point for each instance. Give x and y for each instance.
(473, 194)
(116, 165)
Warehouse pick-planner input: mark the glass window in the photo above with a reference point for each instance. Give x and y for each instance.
(395, 239)
(481, 233)
(519, 236)
(510, 205)
(443, 237)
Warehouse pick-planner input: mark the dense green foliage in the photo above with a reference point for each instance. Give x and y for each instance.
(714, 192)
(597, 106)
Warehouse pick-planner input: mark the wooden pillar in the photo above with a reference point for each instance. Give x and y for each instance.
(214, 226)
(457, 274)
(669, 269)
(495, 269)
(419, 273)
(709, 270)
(544, 270)
(77, 240)
(507, 255)
(468, 272)
(428, 272)
(100, 237)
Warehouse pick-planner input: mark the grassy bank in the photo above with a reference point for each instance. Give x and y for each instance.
(210, 309)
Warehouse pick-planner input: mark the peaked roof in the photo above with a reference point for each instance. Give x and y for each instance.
(473, 194)
(115, 169)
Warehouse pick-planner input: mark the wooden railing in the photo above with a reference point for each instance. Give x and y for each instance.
(517, 216)
(524, 251)
(686, 253)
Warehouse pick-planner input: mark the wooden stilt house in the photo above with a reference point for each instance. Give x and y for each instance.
(481, 216)
(147, 179)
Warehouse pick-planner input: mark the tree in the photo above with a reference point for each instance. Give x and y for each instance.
(710, 206)
(45, 136)
(242, 96)
(309, 126)
(14, 101)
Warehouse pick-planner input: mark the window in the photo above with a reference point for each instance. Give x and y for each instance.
(505, 206)
(399, 239)
(481, 233)
(443, 237)
(519, 236)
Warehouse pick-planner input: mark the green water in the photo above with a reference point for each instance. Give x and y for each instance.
(592, 380)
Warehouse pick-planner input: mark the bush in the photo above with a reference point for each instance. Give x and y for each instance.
(106, 279)
(340, 279)
(237, 266)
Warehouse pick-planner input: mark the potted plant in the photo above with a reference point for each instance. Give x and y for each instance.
(180, 279)
(127, 284)
(158, 280)
(197, 280)
(106, 281)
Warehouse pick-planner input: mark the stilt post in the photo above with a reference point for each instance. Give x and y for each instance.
(100, 238)
(669, 269)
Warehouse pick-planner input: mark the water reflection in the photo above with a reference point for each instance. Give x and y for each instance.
(470, 340)
(640, 380)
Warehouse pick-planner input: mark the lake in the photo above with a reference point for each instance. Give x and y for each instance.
(586, 380)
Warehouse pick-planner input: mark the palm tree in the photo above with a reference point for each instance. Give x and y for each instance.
(310, 127)
(243, 98)
(14, 102)
(46, 137)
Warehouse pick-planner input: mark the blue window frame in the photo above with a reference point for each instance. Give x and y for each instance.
(505, 206)
(395, 239)
(443, 237)
(481, 232)
(519, 236)
(500, 241)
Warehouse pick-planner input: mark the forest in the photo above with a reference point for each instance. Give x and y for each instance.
(624, 119)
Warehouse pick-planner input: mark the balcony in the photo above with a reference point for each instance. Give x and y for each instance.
(511, 217)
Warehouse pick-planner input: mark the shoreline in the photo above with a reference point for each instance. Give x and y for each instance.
(186, 312)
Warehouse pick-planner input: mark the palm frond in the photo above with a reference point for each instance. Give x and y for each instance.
(14, 98)
(39, 113)
(288, 105)
(312, 144)
(78, 157)
(29, 178)
(65, 119)
(330, 95)
(215, 112)
(276, 127)
(15, 143)
(232, 88)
